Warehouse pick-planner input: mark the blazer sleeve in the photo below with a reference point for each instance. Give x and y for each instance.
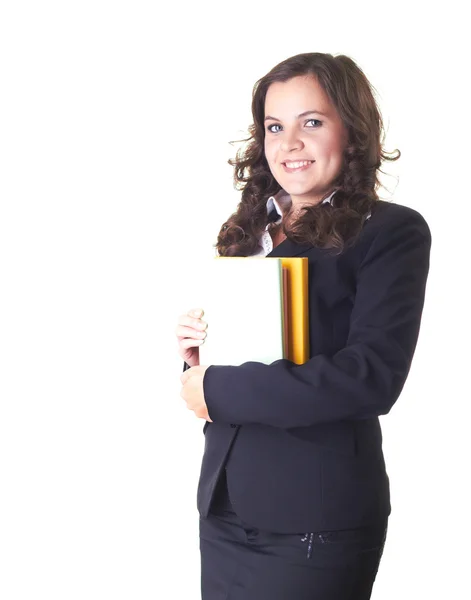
(364, 378)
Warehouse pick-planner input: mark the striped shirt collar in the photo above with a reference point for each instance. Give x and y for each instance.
(273, 204)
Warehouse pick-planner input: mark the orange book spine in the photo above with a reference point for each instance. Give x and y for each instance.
(297, 308)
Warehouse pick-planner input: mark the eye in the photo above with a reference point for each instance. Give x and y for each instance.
(316, 122)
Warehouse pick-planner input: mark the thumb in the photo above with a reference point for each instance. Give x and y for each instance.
(187, 374)
(184, 376)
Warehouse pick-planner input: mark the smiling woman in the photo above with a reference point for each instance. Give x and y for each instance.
(298, 144)
(293, 494)
(317, 108)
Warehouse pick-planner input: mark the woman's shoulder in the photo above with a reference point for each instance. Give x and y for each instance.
(391, 228)
(390, 217)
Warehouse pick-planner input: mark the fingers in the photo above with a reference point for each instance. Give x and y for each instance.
(189, 340)
(188, 343)
(187, 321)
(194, 314)
(191, 333)
(190, 326)
(184, 331)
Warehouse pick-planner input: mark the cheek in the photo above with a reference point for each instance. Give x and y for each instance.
(333, 151)
(339, 143)
(269, 153)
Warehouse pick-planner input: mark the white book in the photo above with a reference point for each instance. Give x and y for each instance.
(242, 299)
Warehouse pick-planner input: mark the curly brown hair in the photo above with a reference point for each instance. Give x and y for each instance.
(324, 225)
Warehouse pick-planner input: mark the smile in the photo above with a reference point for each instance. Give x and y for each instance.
(295, 167)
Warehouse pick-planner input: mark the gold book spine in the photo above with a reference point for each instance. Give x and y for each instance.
(297, 308)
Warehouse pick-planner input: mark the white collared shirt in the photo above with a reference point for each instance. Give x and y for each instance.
(265, 241)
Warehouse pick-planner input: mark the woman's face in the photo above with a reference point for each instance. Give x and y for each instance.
(301, 124)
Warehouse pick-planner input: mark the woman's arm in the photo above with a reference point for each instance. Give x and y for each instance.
(365, 378)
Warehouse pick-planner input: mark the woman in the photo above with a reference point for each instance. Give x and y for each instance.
(293, 494)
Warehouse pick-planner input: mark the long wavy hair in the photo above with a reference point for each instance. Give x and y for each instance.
(334, 224)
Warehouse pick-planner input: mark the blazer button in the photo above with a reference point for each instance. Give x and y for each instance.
(233, 426)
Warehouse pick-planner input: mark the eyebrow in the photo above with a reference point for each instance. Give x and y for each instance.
(304, 114)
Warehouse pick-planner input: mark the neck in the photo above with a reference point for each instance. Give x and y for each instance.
(299, 202)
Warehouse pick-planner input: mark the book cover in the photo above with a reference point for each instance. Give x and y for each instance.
(256, 310)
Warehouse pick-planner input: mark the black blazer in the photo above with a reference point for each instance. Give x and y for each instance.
(302, 444)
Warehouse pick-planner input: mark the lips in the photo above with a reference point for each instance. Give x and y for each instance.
(298, 165)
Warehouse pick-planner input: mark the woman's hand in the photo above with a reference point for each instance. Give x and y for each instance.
(193, 391)
(191, 334)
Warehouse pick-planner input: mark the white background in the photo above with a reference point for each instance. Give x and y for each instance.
(115, 123)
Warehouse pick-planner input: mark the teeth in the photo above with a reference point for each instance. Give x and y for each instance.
(296, 165)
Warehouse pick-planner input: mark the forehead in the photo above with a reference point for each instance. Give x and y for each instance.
(301, 93)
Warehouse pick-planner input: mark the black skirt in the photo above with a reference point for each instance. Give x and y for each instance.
(240, 562)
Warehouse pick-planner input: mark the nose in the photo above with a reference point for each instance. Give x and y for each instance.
(291, 141)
